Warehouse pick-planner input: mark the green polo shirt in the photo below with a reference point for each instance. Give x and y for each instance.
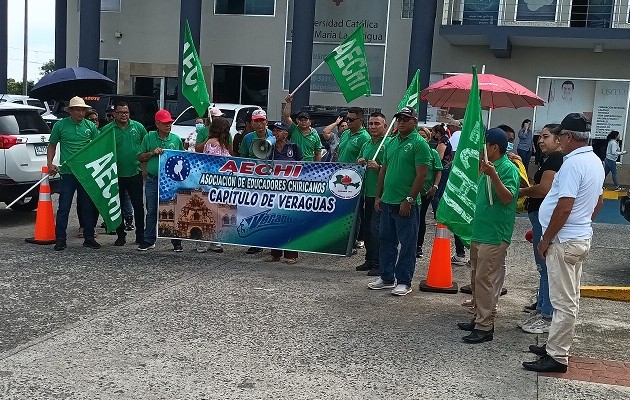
(350, 145)
(402, 156)
(371, 176)
(309, 144)
(152, 141)
(72, 136)
(494, 223)
(128, 142)
(434, 166)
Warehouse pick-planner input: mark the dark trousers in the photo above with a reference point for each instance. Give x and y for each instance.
(132, 186)
(69, 184)
(435, 201)
(361, 221)
(370, 235)
(422, 229)
(460, 250)
(287, 253)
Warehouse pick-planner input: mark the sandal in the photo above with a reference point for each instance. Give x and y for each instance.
(291, 261)
(272, 259)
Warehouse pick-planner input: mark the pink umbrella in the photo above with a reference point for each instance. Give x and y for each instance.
(496, 92)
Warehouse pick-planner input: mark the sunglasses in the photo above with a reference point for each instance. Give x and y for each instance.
(348, 119)
(93, 119)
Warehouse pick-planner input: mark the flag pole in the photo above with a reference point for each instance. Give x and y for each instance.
(389, 129)
(485, 150)
(307, 78)
(29, 189)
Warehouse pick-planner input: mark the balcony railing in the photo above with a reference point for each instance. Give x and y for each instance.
(547, 13)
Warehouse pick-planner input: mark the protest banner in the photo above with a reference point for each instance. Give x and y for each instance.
(302, 206)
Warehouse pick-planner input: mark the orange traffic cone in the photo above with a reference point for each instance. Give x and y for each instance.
(440, 275)
(45, 220)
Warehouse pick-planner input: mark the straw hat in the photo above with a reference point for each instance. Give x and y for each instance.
(78, 102)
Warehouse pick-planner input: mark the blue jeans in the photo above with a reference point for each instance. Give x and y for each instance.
(435, 201)
(151, 201)
(611, 166)
(67, 186)
(372, 245)
(526, 156)
(543, 302)
(395, 229)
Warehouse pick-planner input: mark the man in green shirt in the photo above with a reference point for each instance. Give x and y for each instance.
(353, 138)
(399, 182)
(154, 144)
(371, 218)
(129, 135)
(493, 224)
(305, 137)
(72, 134)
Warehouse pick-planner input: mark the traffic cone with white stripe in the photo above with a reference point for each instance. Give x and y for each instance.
(45, 220)
(440, 275)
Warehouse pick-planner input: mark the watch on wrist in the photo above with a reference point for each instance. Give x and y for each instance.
(409, 199)
(436, 187)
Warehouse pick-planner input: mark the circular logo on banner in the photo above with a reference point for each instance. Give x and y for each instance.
(345, 183)
(177, 168)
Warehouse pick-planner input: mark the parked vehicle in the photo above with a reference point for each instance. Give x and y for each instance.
(141, 108)
(46, 110)
(23, 147)
(185, 123)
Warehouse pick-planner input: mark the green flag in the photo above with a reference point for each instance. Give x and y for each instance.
(348, 64)
(457, 206)
(412, 95)
(95, 168)
(193, 83)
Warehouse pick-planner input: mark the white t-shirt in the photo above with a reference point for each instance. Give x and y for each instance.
(454, 139)
(581, 177)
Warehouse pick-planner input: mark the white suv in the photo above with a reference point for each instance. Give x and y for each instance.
(44, 111)
(23, 147)
(185, 123)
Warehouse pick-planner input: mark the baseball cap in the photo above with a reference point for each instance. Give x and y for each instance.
(572, 122)
(216, 112)
(259, 114)
(406, 112)
(303, 114)
(497, 136)
(163, 116)
(281, 125)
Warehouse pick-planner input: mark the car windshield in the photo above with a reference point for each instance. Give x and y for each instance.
(37, 103)
(189, 116)
(22, 122)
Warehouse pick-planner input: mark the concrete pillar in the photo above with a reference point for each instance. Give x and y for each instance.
(4, 44)
(189, 10)
(421, 46)
(89, 34)
(61, 32)
(302, 51)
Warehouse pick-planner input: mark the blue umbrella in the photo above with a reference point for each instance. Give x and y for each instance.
(65, 83)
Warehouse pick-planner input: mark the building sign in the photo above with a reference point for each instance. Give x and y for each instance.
(481, 12)
(536, 10)
(604, 103)
(302, 206)
(334, 21)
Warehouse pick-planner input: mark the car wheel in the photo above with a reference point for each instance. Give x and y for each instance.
(26, 204)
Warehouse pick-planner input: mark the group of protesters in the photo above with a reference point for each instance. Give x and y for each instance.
(405, 173)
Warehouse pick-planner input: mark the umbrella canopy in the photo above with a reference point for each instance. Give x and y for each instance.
(65, 83)
(496, 92)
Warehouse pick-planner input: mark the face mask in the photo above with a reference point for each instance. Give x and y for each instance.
(199, 127)
(510, 146)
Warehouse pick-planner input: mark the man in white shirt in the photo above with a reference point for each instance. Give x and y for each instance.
(566, 215)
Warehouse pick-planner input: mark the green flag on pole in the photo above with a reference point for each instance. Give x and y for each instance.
(95, 168)
(193, 83)
(457, 206)
(412, 95)
(348, 64)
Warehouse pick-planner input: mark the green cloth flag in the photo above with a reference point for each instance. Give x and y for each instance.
(348, 64)
(457, 206)
(95, 168)
(412, 95)
(193, 82)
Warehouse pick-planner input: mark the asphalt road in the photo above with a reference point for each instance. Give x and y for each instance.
(116, 323)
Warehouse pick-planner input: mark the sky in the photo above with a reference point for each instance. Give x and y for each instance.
(41, 37)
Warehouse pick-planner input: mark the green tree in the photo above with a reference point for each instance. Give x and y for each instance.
(47, 67)
(15, 87)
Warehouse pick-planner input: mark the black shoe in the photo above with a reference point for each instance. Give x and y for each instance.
(178, 248)
(545, 363)
(92, 244)
(139, 240)
(146, 246)
(364, 267)
(129, 224)
(467, 326)
(466, 289)
(120, 241)
(419, 253)
(478, 336)
(60, 245)
(503, 292)
(538, 350)
(254, 250)
(531, 308)
(374, 272)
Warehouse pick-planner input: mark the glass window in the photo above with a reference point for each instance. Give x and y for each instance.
(244, 7)
(17, 122)
(109, 68)
(241, 85)
(170, 94)
(407, 9)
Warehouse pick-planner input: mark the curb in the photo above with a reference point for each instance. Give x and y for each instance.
(617, 293)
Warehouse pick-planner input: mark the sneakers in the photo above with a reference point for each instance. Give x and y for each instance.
(91, 244)
(216, 248)
(129, 224)
(60, 245)
(178, 248)
(539, 326)
(366, 266)
(529, 320)
(419, 253)
(359, 244)
(379, 284)
(254, 250)
(457, 260)
(202, 248)
(401, 290)
(146, 246)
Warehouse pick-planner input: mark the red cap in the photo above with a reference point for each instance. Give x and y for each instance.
(163, 116)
